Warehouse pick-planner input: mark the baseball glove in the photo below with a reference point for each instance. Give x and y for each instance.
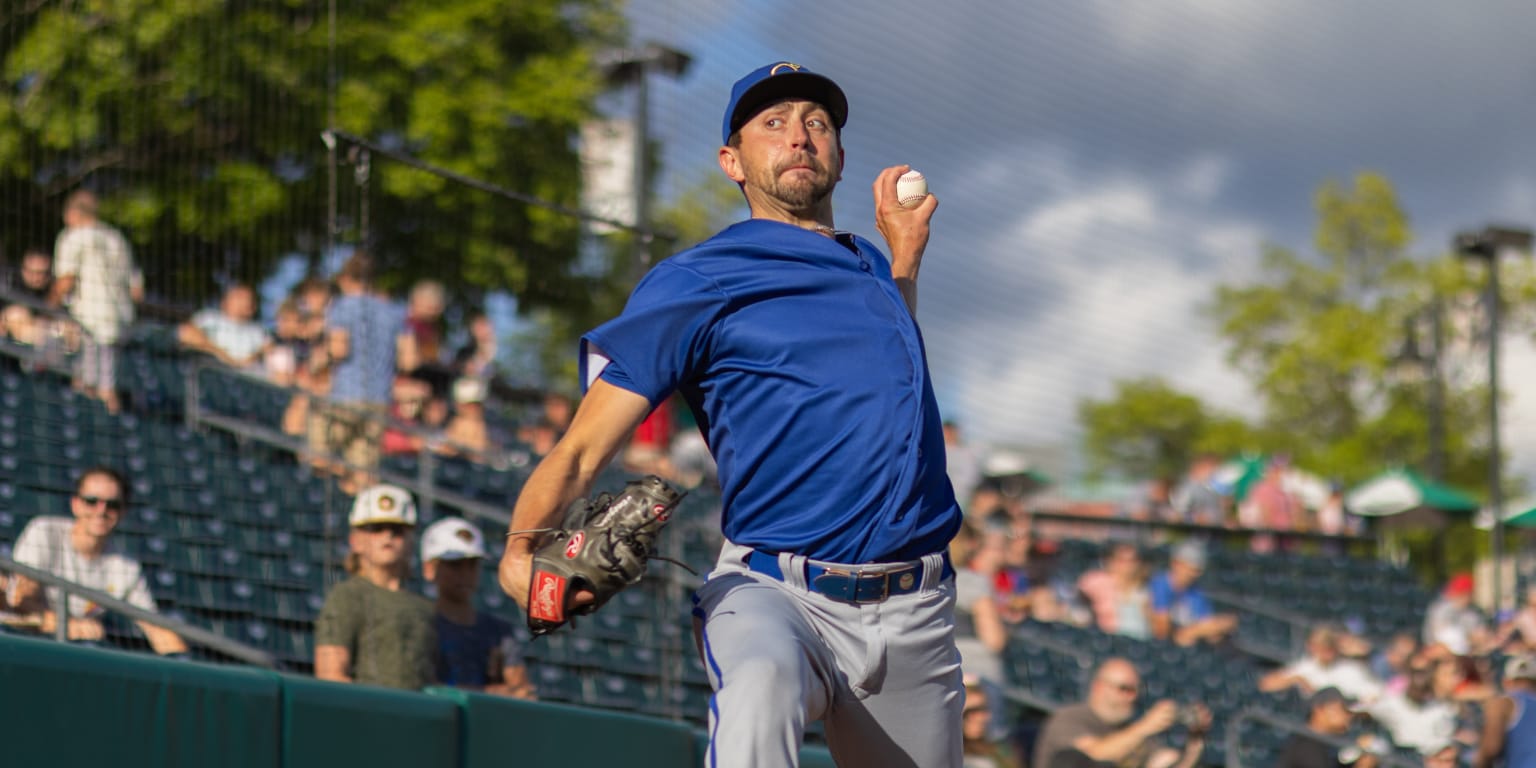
(602, 548)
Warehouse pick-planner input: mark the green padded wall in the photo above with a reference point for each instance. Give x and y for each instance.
(67, 706)
(505, 732)
(329, 725)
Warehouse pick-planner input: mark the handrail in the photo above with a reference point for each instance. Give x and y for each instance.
(1299, 623)
(1211, 531)
(428, 495)
(196, 634)
(1037, 638)
(1234, 737)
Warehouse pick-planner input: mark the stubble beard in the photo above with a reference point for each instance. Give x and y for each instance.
(800, 193)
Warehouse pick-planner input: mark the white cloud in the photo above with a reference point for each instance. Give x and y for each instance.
(1119, 269)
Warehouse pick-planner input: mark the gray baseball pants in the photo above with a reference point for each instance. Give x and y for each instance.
(884, 677)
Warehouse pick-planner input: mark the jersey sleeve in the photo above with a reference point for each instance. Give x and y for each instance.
(660, 339)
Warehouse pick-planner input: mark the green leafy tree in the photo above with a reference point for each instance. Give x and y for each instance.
(199, 123)
(704, 206)
(1148, 429)
(1320, 336)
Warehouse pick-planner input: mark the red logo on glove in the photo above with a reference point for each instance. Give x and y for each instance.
(662, 513)
(548, 597)
(574, 547)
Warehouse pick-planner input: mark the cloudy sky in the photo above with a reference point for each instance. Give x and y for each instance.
(1102, 165)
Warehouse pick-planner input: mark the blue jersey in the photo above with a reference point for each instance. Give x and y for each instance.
(808, 377)
(1520, 739)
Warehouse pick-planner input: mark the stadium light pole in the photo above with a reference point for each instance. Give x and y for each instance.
(1486, 245)
(625, 66)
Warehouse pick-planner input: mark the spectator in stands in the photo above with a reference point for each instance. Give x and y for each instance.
(466, 434)
(476, 650)
(421, 348)
(1420, 717)
(1329, 716)
(1117, 593)
(1391, 664)
(1509, 721)
(1452, 620)
(95, 277)
(1025, 582)
(1324, 666)
(370, 629)
(82, 550)
(28, 292)
(1181, 612)
(1195, 500)
(363, 334)
(230, 333)
(1102, 730)
(980, 749)
(311, 371)
(1518, 634)
(477, 358)
(409, 397)
(979, 631)
(287, 351)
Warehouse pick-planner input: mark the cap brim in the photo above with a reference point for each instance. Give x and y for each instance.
(457, 555)
(790, 85)
(397, 520)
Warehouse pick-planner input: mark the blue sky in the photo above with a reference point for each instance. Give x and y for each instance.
(1102, 165)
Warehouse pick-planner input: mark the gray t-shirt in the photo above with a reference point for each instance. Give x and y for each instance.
(388, 635)
(45, 545)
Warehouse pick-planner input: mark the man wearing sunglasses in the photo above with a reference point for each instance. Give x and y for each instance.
(81, 549)
(1104, 730)
(370, 629)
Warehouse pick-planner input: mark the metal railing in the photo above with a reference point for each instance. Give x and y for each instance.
(1234, 738)
(1297, 624)
(191, 633)
(423, 485)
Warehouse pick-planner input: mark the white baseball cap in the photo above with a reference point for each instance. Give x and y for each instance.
(451, 538)
(383, 503)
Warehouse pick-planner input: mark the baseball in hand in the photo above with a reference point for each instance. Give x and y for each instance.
(911, 188)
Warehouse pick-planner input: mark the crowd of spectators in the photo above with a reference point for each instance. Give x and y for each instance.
(372, 630)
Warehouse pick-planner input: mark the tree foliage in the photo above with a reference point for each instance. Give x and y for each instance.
(1321, 337)
(1148, 429)
(199, 123)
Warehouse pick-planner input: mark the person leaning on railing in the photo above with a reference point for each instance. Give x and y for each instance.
(82, 550)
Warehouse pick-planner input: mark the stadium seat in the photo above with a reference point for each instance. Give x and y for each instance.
(555, 683)
(619, 692)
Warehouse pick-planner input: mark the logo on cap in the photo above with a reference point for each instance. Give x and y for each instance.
(385, 502)
(782, 66)
(464, 535)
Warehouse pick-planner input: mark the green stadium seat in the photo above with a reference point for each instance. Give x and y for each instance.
(620, 692)
(556, 683)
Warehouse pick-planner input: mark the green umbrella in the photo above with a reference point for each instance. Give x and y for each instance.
(1522, 513)
(1402, 490)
